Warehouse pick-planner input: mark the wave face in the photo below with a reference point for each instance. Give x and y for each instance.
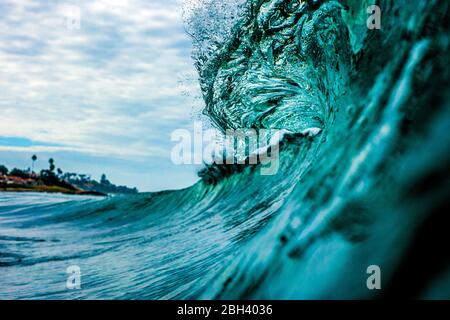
(370, 189)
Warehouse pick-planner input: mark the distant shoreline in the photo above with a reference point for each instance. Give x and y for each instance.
(49, 189)
(55, 180)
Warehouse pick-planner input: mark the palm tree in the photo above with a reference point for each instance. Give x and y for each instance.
(52, 164)
(33, 159)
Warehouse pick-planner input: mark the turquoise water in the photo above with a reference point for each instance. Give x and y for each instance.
(370, 189)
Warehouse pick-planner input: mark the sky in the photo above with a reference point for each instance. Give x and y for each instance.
(99, 86)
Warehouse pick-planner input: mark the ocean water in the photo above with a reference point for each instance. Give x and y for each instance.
(370, 189)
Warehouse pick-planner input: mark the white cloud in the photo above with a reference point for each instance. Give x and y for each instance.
(110, 88)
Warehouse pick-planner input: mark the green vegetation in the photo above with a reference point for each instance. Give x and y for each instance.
(3, 170)
(19, 173)
(33, 159)
(55, 180)
(85, 182)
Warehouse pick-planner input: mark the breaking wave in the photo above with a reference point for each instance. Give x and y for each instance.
(370, 188)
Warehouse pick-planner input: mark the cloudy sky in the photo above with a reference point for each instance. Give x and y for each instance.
(97, 85)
